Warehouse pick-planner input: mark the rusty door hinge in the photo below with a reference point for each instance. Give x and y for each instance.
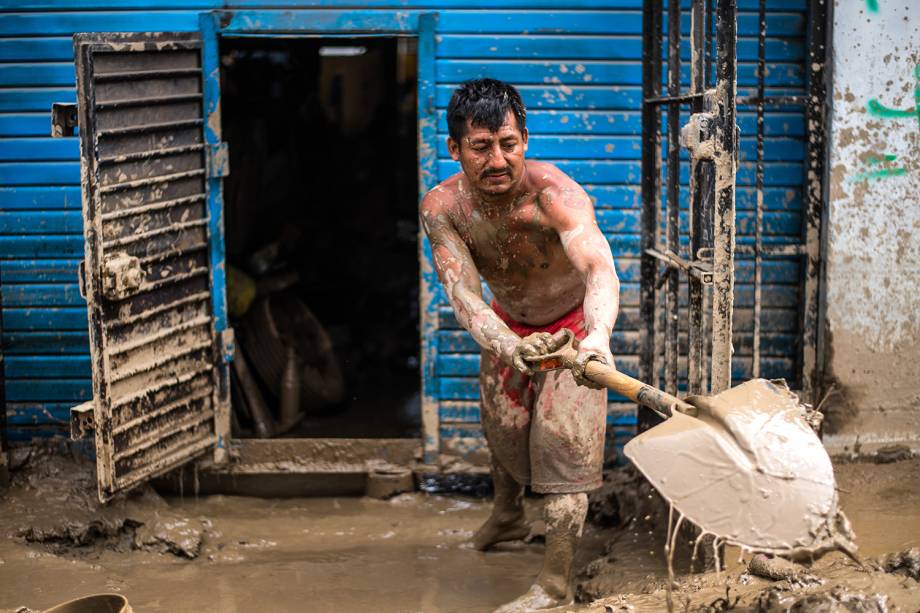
(122, 275)
(63, 119)
(82, 421)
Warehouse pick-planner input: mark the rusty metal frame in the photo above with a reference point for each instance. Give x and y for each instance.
(711, 138)
(815, 198)
(651, 198)
(723, 258)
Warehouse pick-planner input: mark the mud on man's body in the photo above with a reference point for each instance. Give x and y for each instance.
(530, 231)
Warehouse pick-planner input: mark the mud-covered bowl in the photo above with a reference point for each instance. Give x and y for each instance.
(97, 603)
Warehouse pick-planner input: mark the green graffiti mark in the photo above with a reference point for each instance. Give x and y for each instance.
(874, 173)
(872, 6)
(886, 158)
(917, 92)
(882, 173)
(877, 109)
(880, 110)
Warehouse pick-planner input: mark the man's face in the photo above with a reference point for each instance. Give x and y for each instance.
(492, 161)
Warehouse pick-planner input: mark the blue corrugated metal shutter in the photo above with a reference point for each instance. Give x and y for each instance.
(579, 71)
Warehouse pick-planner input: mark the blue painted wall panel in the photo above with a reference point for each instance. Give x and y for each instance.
(578, 65)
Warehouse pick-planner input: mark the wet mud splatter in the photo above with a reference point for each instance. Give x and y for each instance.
(408, 553)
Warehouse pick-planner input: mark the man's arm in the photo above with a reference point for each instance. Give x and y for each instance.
(569, 210)
(458, 273)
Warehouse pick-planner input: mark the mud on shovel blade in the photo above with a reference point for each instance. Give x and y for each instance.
(742, 465)
(749, 470)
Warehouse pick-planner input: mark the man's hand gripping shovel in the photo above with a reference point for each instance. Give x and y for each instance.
(646, 395)
(743, 465)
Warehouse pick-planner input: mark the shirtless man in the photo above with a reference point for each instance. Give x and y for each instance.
(530, 231)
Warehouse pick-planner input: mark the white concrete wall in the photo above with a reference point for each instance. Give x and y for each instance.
(873, 240)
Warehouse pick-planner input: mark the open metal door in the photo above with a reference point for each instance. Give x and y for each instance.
(159, 398)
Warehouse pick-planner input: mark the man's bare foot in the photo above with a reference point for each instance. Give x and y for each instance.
(500, 528)
(536, 599)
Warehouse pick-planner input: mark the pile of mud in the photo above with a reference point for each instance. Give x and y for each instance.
(631, 575)
(52, 504)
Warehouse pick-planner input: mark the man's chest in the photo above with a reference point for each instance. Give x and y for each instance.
(514, 242)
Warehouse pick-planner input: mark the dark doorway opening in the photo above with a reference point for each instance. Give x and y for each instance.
(322, 233)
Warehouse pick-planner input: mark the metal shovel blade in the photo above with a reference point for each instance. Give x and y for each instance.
(748, 469)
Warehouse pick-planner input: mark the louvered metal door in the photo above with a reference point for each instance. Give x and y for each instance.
(147, 269)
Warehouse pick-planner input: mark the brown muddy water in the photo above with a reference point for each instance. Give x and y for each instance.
(223, 553)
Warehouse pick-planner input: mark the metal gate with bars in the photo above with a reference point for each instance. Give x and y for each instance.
(698, 241)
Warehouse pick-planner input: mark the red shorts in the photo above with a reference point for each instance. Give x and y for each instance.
(546, 430)
(574, 320)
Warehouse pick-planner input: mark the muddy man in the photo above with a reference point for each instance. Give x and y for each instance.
(530, 231)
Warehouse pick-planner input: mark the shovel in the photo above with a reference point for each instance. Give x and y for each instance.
(743, 465)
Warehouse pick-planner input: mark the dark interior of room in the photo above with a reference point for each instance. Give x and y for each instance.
(321, 234)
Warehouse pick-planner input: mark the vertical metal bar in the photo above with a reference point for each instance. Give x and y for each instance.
(210, 67)
(814, 196)
(651, 196)
(671, 347)
(694, 285)
(758, 185)
(724, 226)
(707, 75)
(427, 179)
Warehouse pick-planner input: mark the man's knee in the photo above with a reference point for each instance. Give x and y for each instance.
(565, 511)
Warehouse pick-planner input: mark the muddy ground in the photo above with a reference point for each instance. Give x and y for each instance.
(228, 554)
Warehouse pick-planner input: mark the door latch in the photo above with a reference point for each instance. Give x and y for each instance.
(122, 275)
(698, 136)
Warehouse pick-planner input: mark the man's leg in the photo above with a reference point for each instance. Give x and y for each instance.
(507, 398)
(564, 515)
(566, 450)
(506, 523)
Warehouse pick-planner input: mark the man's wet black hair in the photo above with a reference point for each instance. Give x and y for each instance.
(485, 102)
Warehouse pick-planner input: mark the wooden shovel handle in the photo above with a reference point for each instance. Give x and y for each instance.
(646, 395)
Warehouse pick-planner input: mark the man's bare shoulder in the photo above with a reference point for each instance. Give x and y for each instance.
(443, 197)
(553, 186)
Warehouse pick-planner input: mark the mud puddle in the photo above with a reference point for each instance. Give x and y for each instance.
(406, 554)
(308, 554)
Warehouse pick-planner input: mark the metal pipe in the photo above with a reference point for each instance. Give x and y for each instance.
(707, 71)
(699, 190)
(758, 185)
(724, 227)
(696, 270)
(682, 98)
(814, 196)
(672, 299)
(775, 100)
(651, 196)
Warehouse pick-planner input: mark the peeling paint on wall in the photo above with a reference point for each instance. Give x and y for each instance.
(873, 254)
